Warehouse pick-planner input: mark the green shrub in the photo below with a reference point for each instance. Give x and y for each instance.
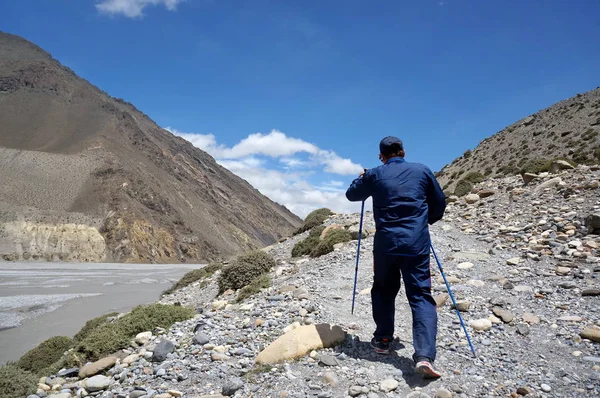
(536, 166)
(92, 324)
(262, 282)
(315, 218)
(474, 177)
(16, 382)
(45, 354)
(305, 246)
(467, 154)
(113, 336)
(462, 188)
(194, 276)
(332, 237)
(244, 270)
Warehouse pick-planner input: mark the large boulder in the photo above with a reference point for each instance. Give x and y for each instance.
(162, 350)
(547, 184)
(92, 369)
(300, 342)
(559, 165)
(97, 383)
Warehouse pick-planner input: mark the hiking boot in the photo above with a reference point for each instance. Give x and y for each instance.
(425, 367)
(381, 346)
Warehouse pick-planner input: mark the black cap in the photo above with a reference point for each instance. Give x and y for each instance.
(390, 145)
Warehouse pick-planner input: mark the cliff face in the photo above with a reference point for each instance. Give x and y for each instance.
(71, 155)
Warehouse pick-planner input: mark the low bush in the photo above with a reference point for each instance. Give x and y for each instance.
(45, 354)
(194, 276)
(536, 166)
(474, 177)
(262, 282)
(305, 246)
(113, 336)
(315, 218)
(16, 382)
(462, 188)
(332, 237)
(245, 269)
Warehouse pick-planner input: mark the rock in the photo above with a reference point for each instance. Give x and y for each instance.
(529, 120)
(143, 338)
(472, 198)
(591, 334)
(528, 177)
(94, 368)
(570, 318)
(201, 338)
(388, 385)
(355, 391)
(215, 356)
(331, 228)
(328, 360)
(231, 386)
(559, 165)
(330, 378)
(463, 305)
(503, 314)
(128, 360)
(175, 393)
(35, 396)
(291, 327)
(97, 383)
(443, 393)
(545, 388)
(475, 283)
(465, 265)
(452, 199)
(218, 305)
(590, 292)
(441, 299)
(514, 261)
(523, 329)
(72, 372)
(59, 395)
(481, 324)
(545, 185)
(486, 193)
(301, 341)
(137, 393)
(562, 271)
(162, 350)
(58, 381)
(592, 222)
(417, 394)
(523, 391)
(531, 318)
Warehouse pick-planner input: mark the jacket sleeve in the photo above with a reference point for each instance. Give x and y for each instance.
(360, 189)
(436, 199)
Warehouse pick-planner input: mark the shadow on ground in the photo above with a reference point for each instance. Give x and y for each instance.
(362, 350)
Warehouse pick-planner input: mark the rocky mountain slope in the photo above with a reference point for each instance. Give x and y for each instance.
(522, 259)
(569, 129)
(88, 177)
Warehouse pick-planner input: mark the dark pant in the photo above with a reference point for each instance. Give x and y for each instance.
(417, 281)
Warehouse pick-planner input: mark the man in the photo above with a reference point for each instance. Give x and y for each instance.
(406, 200)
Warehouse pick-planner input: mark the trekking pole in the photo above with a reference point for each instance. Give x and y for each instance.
(362, 211)
(453, 302)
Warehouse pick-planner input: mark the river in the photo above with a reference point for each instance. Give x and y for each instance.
(41, 300)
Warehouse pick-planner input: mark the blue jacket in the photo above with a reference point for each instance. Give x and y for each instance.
(406, 199)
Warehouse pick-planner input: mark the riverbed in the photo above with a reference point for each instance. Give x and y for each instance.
(41, 300)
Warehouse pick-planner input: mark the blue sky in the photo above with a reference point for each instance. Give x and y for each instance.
(294, 96)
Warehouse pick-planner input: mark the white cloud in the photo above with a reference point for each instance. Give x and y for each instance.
(249, 160)
(133, 8)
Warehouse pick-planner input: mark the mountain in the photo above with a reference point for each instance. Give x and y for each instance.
(569, 129)
(88, 177)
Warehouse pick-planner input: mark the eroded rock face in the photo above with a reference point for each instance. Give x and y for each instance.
(23, 240)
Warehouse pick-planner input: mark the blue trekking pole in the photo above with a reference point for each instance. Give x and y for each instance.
(362, 211)
(453, 302)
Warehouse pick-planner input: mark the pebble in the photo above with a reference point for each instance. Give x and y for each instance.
(232, 386)
(481, 324)
(388, 385)
(443, 393)
(546, 388)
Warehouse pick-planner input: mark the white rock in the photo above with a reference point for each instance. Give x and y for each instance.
(481, 324)
(465, 265)
(388, 385)
(143, 338)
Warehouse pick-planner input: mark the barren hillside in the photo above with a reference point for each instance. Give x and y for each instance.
(77, 165)
(569, 129)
